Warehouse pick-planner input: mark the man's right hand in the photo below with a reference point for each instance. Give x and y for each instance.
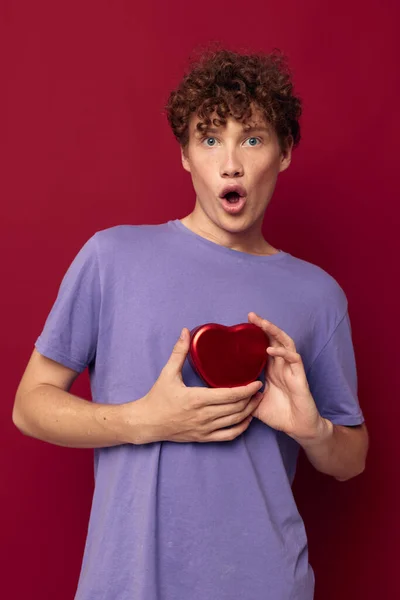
(171, 411)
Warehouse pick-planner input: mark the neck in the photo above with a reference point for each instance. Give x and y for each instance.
(250, 240)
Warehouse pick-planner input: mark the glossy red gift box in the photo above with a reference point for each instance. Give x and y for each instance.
(228, 356)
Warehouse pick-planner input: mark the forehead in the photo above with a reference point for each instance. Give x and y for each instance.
(255, 121)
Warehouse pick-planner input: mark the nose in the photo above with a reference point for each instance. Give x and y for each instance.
(231, 165)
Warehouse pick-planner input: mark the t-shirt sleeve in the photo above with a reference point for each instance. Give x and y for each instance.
(332, 378)
(70, 332)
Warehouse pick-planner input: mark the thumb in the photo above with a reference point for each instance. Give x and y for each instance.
(179, 353)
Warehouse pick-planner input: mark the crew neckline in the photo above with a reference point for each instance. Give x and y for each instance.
(177, 224)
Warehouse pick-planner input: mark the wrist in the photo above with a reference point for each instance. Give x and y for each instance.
(113, 417)
(322, 434)
(136, 426)
(123, 420)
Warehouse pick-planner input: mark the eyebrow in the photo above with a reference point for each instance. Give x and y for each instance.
(245, 130)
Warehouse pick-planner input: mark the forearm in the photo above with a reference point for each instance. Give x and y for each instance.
(337, 450)
(53, 415)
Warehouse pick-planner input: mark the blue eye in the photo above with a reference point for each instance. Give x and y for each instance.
(254, 140)
(207, 140)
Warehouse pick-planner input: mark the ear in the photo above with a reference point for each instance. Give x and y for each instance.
(286, 155)
(185, 159)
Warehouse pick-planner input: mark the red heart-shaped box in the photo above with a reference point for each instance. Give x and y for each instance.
(226, 356)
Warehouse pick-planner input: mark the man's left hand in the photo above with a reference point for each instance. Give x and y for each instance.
(287, 404)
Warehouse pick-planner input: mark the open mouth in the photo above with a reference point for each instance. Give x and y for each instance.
(232, 197)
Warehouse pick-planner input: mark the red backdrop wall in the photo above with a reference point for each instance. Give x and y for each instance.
(87, 146)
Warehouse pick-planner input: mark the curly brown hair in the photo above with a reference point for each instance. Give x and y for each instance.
(228, 83)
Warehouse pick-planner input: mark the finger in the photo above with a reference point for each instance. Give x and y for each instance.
(274, 362)
(277, 361)
(276, 334)
(178, 355)
(227, 395)
(287, 356)
(234, 416)
(215, 411)
(226, 435)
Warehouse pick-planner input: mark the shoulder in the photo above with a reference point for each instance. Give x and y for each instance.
(121, 235)
(315, 287)
(318, 305)
(127, 239)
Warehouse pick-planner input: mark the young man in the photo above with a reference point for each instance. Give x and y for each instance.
(193, 494)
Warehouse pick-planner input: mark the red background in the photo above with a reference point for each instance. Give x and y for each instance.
(87, 146)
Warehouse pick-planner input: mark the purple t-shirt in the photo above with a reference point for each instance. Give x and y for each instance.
(179, 521)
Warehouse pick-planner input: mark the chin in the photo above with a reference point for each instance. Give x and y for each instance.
(235, 225)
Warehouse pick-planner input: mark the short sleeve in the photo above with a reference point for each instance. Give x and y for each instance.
(70, 332)
(333, 378)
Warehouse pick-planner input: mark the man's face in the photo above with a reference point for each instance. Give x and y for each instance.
(247, 155)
